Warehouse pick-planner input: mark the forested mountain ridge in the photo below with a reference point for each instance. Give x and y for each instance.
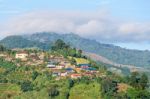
(20, 42)
(111, 52)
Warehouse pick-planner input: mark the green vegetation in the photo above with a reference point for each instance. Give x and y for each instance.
(6, 64)
(81, 61)
(26, 86)
(20, 42)
(86, 91)
(2, 48)
(8, 90)
(65, 49)
(38, 82)
(114, 53)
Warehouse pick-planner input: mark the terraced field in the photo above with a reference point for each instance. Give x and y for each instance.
(2, 70)
(19, 76)
(82, 91)
(8, 90)
(81, 61)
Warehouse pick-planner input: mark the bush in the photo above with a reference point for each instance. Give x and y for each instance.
(52, 92)
(26, 86)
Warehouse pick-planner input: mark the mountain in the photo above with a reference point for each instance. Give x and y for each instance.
(113, 53)
(20, 42)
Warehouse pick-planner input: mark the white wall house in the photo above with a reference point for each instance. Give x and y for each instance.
(21, 55)
(51, 66)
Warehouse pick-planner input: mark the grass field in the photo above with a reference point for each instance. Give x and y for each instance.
(2, 70)
(85, 91)
(81, 61)
(19, 76)
(8, 90)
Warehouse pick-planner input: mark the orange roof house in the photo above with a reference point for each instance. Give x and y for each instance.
(75, 76)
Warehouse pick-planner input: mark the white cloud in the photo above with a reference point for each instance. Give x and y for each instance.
(98, 25)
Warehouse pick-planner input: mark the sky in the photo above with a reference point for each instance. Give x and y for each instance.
(121, 22)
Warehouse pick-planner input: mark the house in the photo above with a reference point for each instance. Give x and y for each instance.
(60, 66)
(3, 55)
(92, 70)
(78, 70)
(63, 74)
(57, 59)
(75, 76)
(69, 70)
(22, 55)
(51, 65)
(41, 56)
(89, 74)
(56, 73)
(84, 65)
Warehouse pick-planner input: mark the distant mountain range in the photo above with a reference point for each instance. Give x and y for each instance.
(110, 52)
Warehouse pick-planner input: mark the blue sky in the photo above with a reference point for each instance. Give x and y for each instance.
(128, 9)
(128, 13)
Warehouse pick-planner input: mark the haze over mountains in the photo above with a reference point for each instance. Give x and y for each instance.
(44, 40)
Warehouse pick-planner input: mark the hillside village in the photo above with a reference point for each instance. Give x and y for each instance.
(59, 66)
(63, 72)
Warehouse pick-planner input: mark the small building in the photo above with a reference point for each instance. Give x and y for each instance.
(78, 70)
(67, 64)
(69, 70)
(75, 76)
(51, 65)
(3, 55)
(93, 70)
(88, 74)
(22, 55)
(84, 65)
(41, 56)
(63, 74)
(60, 66)
(55, 74)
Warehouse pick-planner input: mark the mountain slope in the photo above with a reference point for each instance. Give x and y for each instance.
(111, 52)
(20, 42)
(114, 53)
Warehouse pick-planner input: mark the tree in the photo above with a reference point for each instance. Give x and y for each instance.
(70, 83)
(73, 61)
(138, 94)
(108, 87)
(79, 54)
(59, 44)
(2, 48)
(134, 79)
(34, 75)
(26, 86)
(143, 82)
(72, 52)
(52, 92)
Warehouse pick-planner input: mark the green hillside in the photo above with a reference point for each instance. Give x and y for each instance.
(25, 79)
(111, 52)
(20, 42)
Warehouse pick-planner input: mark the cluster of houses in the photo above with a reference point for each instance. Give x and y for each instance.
(62, 67)
(30, 59)
(58, 65)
